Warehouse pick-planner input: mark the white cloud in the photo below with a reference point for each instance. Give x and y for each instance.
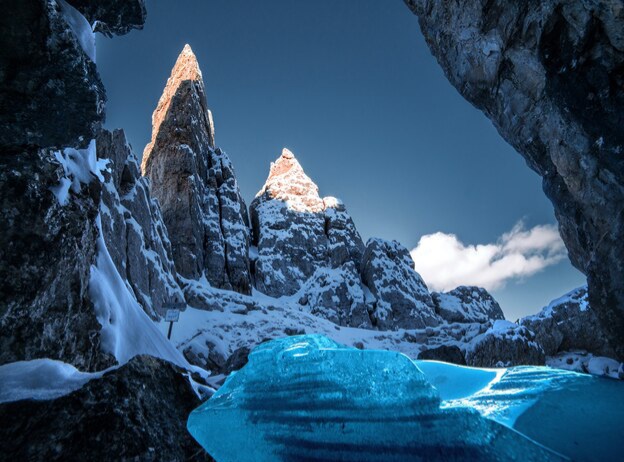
(445, 262)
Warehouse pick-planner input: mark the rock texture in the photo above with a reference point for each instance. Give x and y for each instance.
(133, 228)
(505, 344)
(467, 304)
(195, 185)
(112, 17)
(549, 76)
(46, 251)
(307, 245)
(136, 412)
(402, 298)
(50, 91)
(288, 229)
(568, 324)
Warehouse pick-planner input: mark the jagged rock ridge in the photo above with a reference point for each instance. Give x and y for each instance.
(549, 76)
(195, 185)
(133, 228)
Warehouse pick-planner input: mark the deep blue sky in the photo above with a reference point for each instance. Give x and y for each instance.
(351, 88)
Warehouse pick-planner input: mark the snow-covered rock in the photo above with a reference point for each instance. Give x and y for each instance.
(505, 344)
(467, 304)
(195, 185)
(133, 228)
(337, 294)
(288, 229)
(402, 300)
(567, 324)
(582, 361)
(307, 246)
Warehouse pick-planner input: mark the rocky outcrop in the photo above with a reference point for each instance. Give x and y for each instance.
(136, 412)
(505, 344)
(112, 17)
(549, 76)
(195, 185)
(50, 91)
(402, 298)
(133, 228)
(467, 304)
(569, 324)
(307, 245)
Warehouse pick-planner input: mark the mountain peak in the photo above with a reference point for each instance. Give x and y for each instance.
(186, 67)
(289, 183)
(187, 83)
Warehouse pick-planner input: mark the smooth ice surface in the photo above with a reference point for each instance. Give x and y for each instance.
(309, 398)
(577, 415)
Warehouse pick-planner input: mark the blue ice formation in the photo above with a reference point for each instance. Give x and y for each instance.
(578, 415)
(307, 398)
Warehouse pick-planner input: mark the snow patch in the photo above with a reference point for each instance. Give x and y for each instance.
(127, 331)
(79, 166)
(41, 379)
(80, 27)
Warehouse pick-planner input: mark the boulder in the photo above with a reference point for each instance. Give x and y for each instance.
(446, 353)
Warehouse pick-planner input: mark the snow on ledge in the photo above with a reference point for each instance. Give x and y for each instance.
(127, 331)
(41, 379)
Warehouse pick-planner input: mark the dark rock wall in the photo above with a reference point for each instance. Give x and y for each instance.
(50, 92)
(550, 76)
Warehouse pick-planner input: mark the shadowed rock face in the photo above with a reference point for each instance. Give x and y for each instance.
(195, 185)
(137, 412)
(46, 251)
(50, 91)
(550, 76)
(112, 17)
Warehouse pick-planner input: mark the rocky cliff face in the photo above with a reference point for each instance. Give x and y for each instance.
(51, 102)
(47, 71)
(133, 228)
(195, 185)
(549, 76)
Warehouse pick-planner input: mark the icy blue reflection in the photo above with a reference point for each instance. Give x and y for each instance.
(307, 398)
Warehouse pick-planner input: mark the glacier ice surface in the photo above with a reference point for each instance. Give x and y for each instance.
(307, 398)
